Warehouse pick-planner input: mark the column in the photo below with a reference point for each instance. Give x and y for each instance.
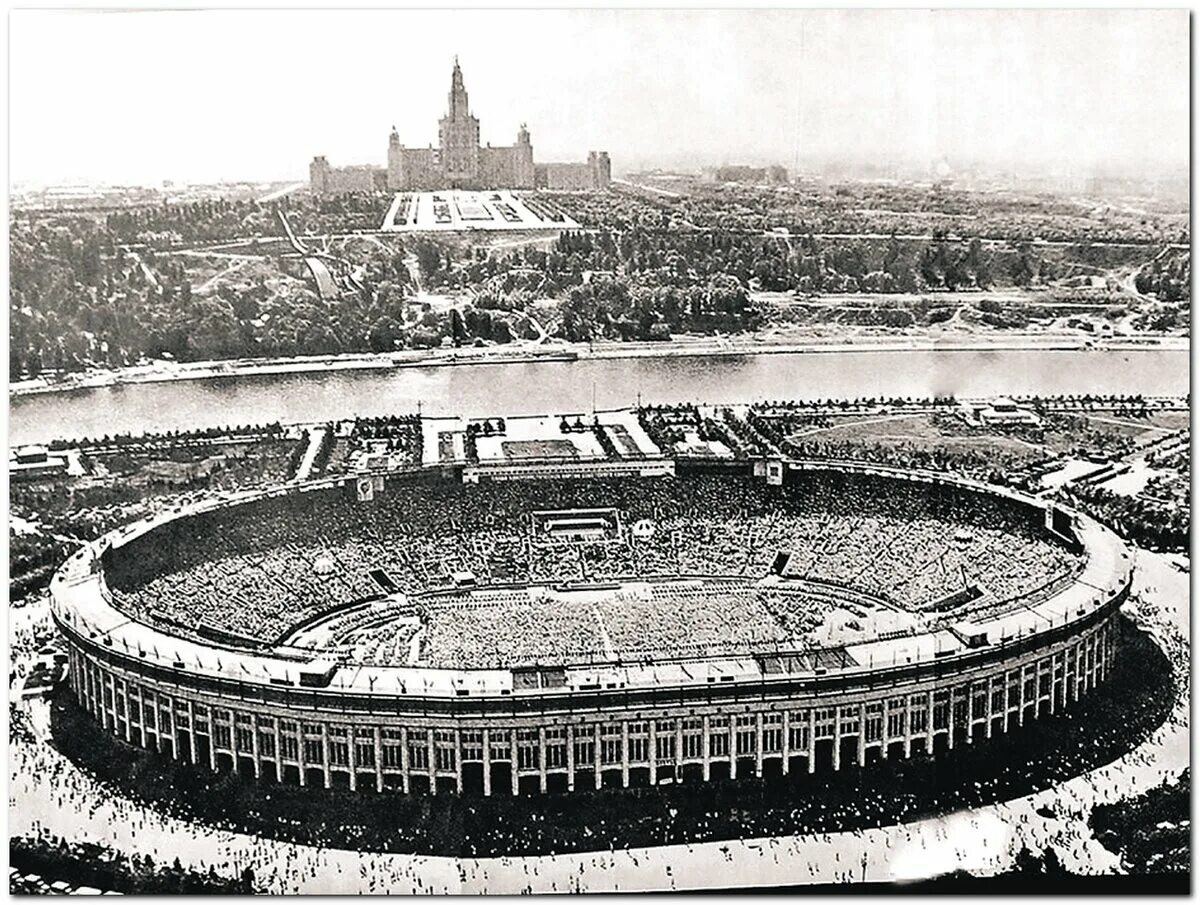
(325, 749)
(971, 713)
(458, 763)
(885, 728)
(212, 740)
(542, 759)
(732, 746)
(786, 741)
(837, 739)
(233, 745)
(513, 753)
(929, 722)
(1053, 681)
(908, 730)
(862, 735)
(1068, 676)
(599, 774)
(625, 754)
(758, 744)
(254, 749)
(129, 718)
(1078, 671)
(378, 741)
(812, 740)
(653, 752)
(171, 706)
(192, 730)
(988, 708)
(570, 757)
(155, 703)
(487, 764)
(430, 733)
(278, 753)
(1087, 670)
(404, 759)
(678, 765)
(1021, 698)
(1008, 704)
(302, 767)
(706, 749)
(950, 717)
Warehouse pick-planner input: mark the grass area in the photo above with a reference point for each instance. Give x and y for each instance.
(921, 431)
(1059, 434)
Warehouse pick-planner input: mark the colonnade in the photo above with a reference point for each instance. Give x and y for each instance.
(579, 750)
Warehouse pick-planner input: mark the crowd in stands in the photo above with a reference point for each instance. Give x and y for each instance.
(252, 570)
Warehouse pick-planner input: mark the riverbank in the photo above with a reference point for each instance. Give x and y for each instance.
(683, 347)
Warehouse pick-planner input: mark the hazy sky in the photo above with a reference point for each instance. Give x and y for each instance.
(145, 96)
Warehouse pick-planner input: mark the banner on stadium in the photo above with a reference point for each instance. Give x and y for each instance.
(775, 472)
(366, 489)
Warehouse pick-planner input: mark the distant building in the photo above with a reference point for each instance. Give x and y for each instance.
(596, 173)
(460, 162)
(1003, 412)
(33, 462)
(326, 180)
(772, 175)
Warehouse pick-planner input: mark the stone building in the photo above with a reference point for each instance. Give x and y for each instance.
(459, 161)
(326, 180)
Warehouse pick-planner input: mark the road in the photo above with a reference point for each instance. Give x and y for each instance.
(286, 190)
(315, 438)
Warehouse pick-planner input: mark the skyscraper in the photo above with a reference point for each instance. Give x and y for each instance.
(460, 162)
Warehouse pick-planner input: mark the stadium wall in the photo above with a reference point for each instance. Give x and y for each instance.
(539, 736)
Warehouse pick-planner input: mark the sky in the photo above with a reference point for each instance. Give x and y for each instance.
(139, 97)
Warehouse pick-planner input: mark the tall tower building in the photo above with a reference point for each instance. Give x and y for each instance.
(395, 161)
(458, 136)
(458, 161)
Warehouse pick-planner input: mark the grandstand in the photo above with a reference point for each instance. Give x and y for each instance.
(499, 631)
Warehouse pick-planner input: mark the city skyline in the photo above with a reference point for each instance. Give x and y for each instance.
(1099, 92)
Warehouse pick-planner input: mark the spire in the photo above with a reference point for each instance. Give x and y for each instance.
(458, 91)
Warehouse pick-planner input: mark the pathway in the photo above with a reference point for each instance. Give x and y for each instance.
(315, 436)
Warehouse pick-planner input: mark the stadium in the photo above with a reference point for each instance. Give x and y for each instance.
(431, 631)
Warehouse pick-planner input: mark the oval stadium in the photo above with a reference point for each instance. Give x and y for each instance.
(434, 632)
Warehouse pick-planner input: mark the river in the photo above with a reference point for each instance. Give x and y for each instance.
(561, 387)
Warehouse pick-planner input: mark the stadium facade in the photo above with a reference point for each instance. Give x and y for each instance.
(277, 714)
(460, 162)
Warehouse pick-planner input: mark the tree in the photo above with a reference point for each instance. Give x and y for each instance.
(385, 335)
